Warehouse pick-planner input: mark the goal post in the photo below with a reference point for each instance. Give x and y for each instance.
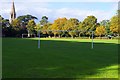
(39, 39)
(92, 45)
(92, 37)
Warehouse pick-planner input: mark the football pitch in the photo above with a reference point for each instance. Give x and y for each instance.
(59, 58)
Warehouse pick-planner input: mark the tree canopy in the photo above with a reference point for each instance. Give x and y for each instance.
(63, 27)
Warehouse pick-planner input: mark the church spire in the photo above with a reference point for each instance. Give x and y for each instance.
(13, 13)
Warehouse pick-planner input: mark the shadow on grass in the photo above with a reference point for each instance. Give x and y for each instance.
(56, 59)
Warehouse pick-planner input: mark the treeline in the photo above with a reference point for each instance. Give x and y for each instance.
(61, 27)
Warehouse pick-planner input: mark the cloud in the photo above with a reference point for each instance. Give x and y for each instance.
(43, 11)
(5, 11)
(81, 14)
(22, 8)
(62, 12)
(42, 8)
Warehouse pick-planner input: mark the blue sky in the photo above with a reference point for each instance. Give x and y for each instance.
(103, 9)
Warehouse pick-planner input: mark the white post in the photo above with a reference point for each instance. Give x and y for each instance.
(92, 40)
(39, 39)
(28, 33)
(22, 35)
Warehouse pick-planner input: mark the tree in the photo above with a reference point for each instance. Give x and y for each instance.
(100, 31)
(72, 26)
(37, 27)
(7, 29)
(81, 29)
(31, 27)
(119, 21)
(45, 25)
(46, 28)
(72, 33)
(25, 19)
(89, 24)
(106, 24)
(114, 25)
(5, 23)
(44, 20)
(1, 18)
(16, 24)
(58, 25)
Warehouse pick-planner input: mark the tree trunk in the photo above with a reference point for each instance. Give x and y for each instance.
(59, 36)
(89, 37)
(100, 36)
(28, 33)
(54, 35)
(79, 34)
(72, 37)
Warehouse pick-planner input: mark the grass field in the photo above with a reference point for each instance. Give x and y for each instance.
(59, 58)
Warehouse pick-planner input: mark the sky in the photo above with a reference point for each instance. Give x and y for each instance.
(53, 9)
